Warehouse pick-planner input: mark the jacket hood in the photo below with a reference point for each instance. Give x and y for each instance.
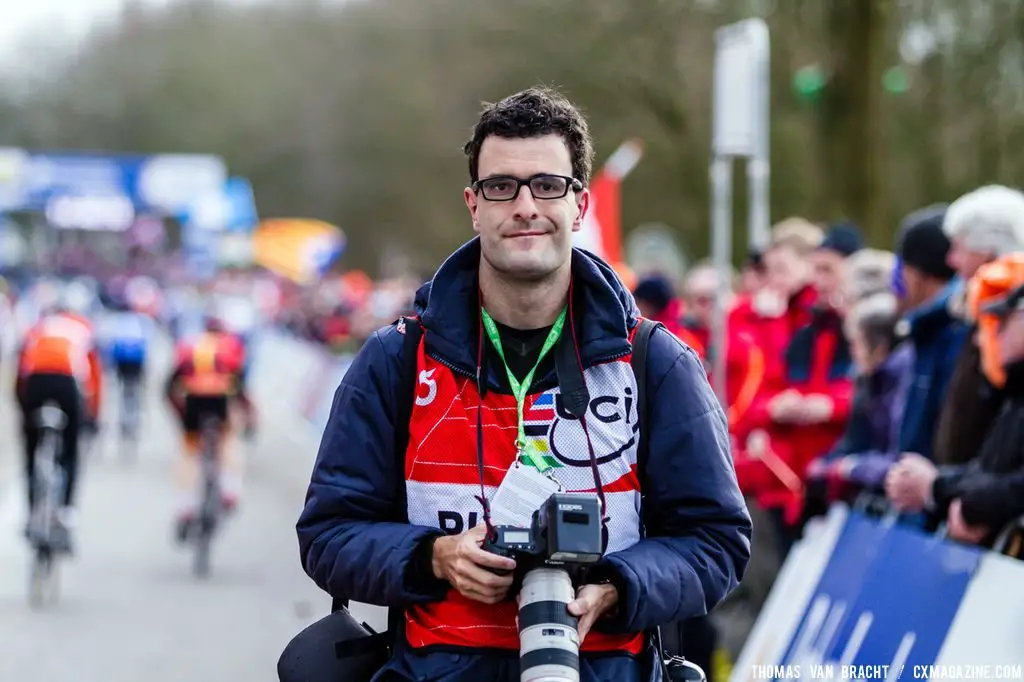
(602, 310)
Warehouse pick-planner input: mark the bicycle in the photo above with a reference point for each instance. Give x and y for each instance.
(210, 506)
(130, 417)
(44, 525)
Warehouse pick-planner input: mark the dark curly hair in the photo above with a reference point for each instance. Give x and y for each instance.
(532, 113)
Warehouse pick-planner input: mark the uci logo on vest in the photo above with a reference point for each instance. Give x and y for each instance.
(611, 420)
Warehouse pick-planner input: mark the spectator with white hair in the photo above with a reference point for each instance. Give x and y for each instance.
(982, 225)
(868, 272)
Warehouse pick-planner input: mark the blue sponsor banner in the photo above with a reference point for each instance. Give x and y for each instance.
(241, 214)
(886, 598)
(163, 182)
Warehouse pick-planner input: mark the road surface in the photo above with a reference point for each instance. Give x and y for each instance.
(130, 609)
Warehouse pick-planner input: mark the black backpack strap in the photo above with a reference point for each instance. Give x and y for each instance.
(412, 330)
(641, 341)
(406, 392)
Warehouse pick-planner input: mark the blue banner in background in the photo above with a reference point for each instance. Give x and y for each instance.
(860, 612)
(164, 182)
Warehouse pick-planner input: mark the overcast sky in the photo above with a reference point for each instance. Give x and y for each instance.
(61, 22)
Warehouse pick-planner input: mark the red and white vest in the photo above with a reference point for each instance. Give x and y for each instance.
(442, 478)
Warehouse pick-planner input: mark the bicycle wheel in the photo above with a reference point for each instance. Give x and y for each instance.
(209, 507)
(43, 583)
(44, 587)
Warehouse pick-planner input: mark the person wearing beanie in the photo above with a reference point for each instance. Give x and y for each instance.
(982, 225)
(828, 262)
(928, 328)
(656, 298)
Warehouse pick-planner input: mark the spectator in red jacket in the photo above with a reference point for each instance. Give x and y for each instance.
(744, 370)
(657, 300)
(806, 418)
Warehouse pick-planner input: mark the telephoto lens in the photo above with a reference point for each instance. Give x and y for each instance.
(549, 641)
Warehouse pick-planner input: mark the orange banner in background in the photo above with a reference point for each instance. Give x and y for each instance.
(296, 248)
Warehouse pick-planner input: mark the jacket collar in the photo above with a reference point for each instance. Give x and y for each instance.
(921, 323)
(448, 306)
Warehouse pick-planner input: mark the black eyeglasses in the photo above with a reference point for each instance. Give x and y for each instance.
(542, 186)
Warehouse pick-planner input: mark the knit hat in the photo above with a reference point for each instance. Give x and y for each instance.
(923, 245)
(656, 290)
(843, 238)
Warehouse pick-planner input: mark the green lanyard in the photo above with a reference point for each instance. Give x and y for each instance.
(519, 390)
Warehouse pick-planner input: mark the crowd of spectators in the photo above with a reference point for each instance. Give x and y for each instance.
(889, 380)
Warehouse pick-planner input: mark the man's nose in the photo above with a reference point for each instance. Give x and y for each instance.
(525, 206)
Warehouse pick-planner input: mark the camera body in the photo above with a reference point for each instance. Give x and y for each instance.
(565, 530)
(565, 533)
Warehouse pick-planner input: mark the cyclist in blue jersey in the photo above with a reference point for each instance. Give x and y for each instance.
(128, 339)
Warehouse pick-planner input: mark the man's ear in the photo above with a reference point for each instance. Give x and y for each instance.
(582, 206)
(472, 203)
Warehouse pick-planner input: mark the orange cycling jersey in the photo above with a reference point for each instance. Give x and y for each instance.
(64, 344)
(211, 365)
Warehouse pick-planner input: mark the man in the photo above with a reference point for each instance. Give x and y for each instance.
(932, 333)
(981, 225)
(807, 416)
(206, 378)
(59, 362)
(979, 498)
(657, 300)
(529, 161)
(128, 334)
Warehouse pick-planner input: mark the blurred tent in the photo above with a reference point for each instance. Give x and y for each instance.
(297, 248)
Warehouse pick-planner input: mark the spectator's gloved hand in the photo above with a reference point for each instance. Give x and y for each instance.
(908, 484)
(815, 409)
(958, 529)
(787, 407)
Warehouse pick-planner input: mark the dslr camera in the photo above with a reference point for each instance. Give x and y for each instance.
(564, 534)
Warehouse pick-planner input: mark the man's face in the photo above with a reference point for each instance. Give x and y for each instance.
(526, 238)
(785, 271)
(915, 286)
(751, 280)
(700, 291)
(964, 260)
(828, 273)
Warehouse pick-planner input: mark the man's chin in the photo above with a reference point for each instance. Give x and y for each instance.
(526, 270)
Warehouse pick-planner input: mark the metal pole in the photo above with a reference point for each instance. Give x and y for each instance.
(758, 177)
(721, 249)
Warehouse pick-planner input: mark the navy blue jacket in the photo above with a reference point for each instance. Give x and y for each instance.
(698, 525)
(937, 337)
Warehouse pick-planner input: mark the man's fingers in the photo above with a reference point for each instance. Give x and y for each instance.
(483, 577)
(482, 557)
(583, 627)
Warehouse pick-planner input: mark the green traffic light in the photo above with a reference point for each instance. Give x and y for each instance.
(895, 80)
(808, 82)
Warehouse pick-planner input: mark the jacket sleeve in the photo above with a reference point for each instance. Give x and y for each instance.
(857, 434)
(697, 543)
(353, 540)
(841, 393)
(746, 359)
(992, 500)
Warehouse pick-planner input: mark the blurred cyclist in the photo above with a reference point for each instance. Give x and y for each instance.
(129, 334)
(59, 361)
(206, 378)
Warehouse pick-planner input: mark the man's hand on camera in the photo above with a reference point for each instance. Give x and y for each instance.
(592, 602)
(461, 561)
